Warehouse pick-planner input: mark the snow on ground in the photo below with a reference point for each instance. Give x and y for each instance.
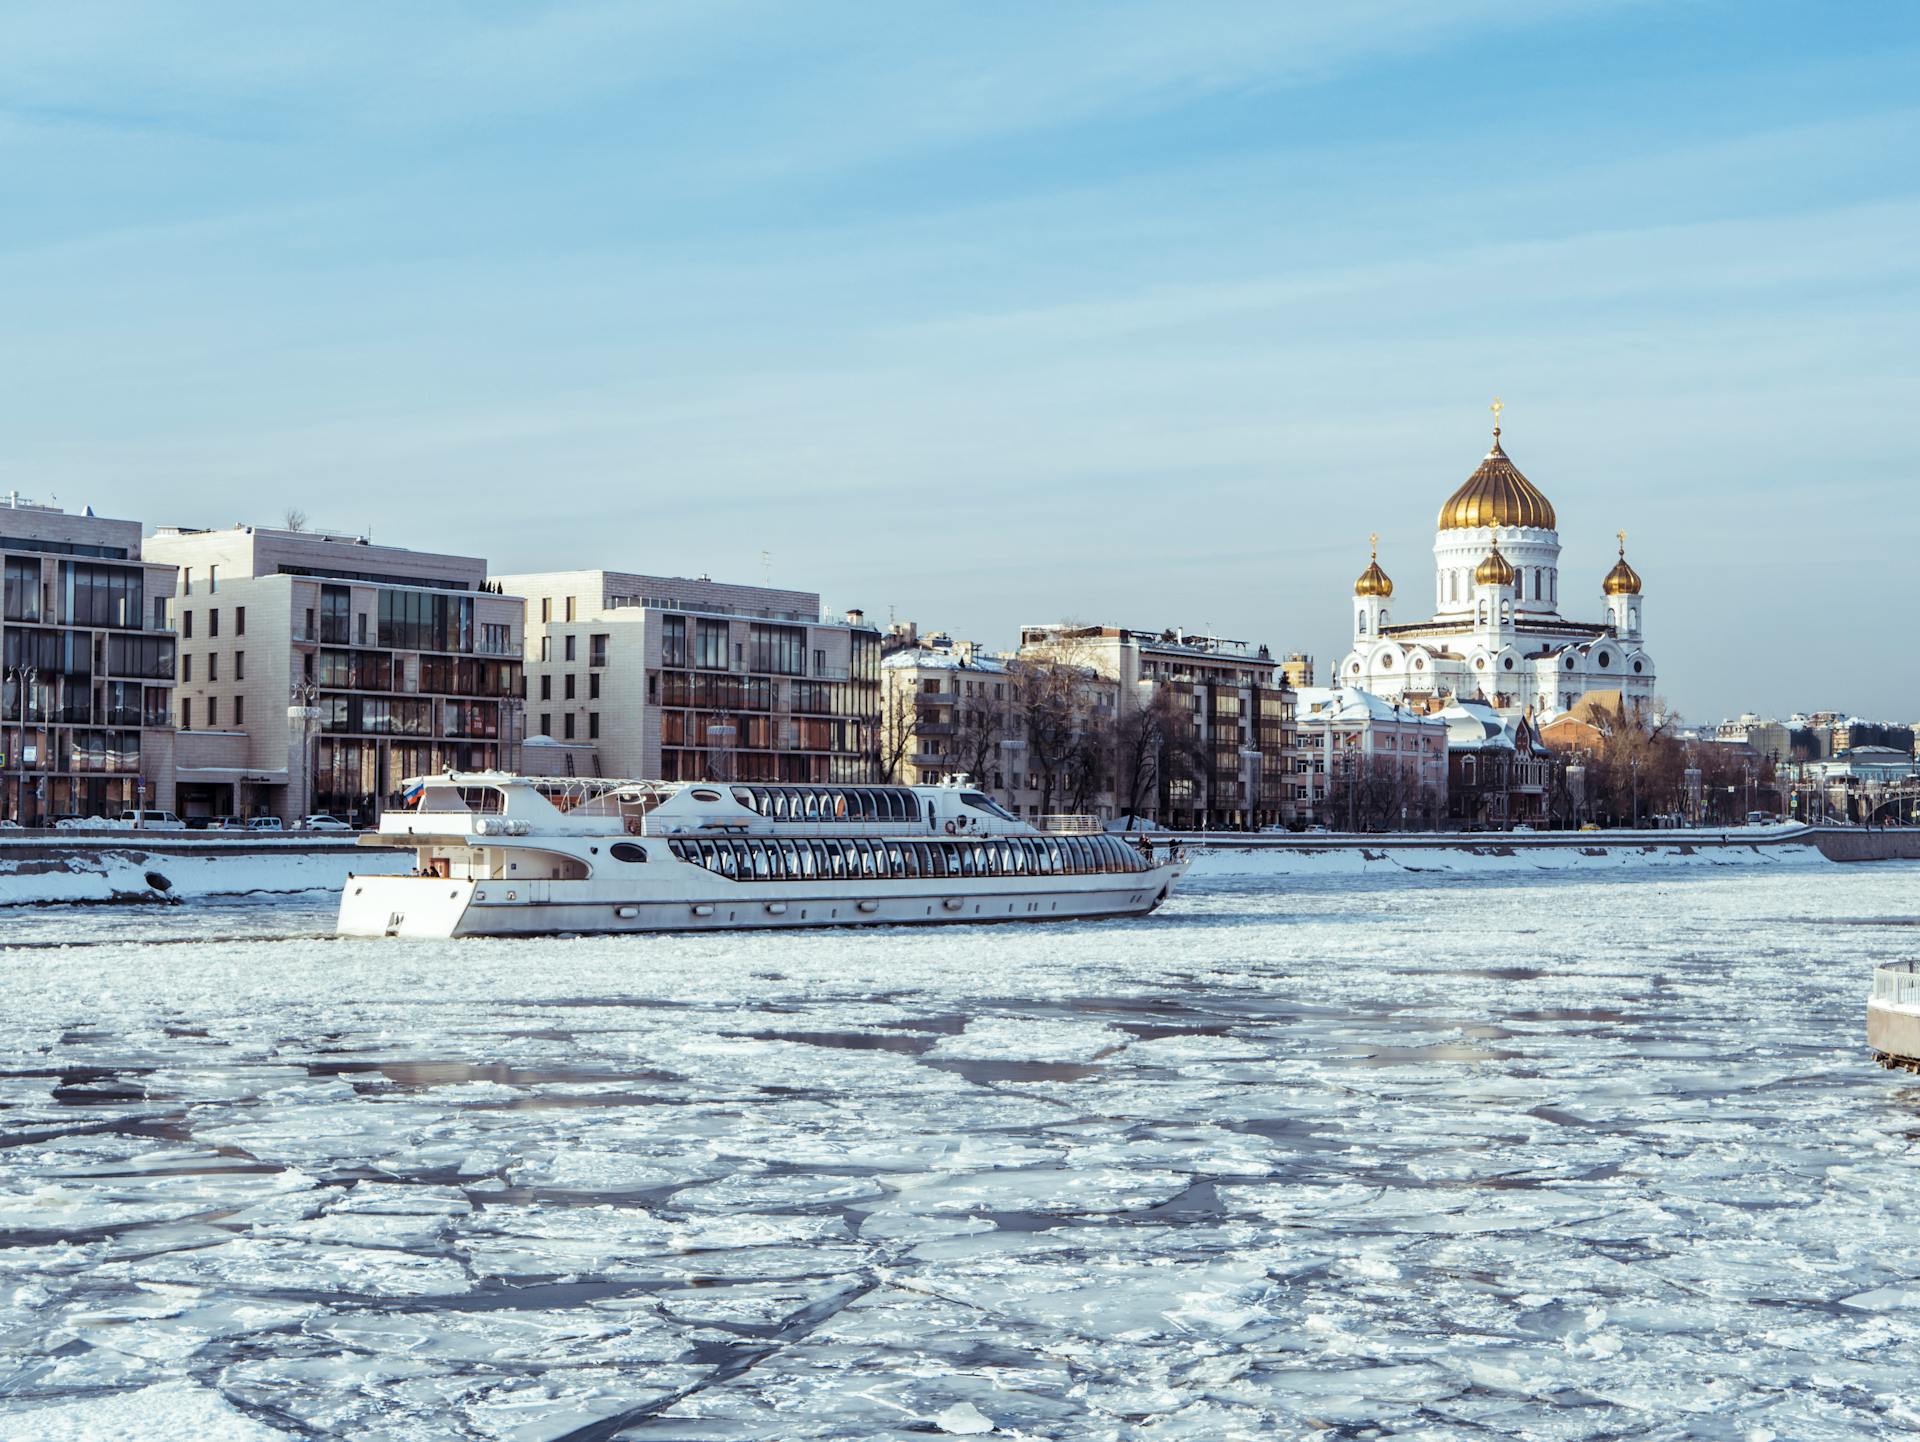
(93, 873)
(1504, 1154)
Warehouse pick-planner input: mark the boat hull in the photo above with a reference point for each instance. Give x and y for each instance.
(1893, 1034)
(427, 906)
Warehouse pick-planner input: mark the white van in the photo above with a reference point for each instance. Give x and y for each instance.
(152, 821)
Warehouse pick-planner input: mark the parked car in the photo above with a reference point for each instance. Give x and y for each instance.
(323, 823)
(265, 823)
(1522, 826)
(153, 820)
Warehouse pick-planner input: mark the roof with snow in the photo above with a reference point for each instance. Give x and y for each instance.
(923, 659)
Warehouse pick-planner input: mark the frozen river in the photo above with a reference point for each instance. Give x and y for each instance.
(1550, 1157)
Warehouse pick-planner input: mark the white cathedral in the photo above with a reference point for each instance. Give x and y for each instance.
(1496, 634)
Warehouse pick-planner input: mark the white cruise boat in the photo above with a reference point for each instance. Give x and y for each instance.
(505, 855)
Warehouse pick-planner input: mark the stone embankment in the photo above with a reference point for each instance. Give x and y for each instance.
(1555, 850)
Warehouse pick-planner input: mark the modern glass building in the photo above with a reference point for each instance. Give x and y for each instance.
(86, 667)
(687, 679)
(318, 672)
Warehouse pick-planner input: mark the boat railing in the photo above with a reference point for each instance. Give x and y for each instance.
(1897, 984)
(1068, 824)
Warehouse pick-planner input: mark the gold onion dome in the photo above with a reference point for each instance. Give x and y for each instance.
(1622, 580)
(1374, 581)
(1496, 494)
(1494, 571)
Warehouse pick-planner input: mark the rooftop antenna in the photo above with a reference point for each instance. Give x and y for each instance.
(766, 568)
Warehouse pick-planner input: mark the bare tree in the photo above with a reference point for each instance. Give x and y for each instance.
(979, 726)
(296, 519)
(896, 733)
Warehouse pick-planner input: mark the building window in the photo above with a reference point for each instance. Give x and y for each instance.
(546, 723)
(546, 608)
(213, 621)
(546, 648)
(568, 646)
(819, 661)
(213, 580)
(159, 613)
(566, 720)
(593, 685)
(186, 713)
(546, 688)
(710, 645)
(597, 649)
(593, 725)
(569, 686)
(239, 620)
(213, 711)
(360, 627)
(569, 608)
(186, 624)
(239, 710)
(186, 667)
(213, 665)
(239, 665)
(673, 640)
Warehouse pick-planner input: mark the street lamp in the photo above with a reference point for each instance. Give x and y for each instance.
(301, 708)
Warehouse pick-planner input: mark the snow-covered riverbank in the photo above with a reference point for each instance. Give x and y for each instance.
(91, 874)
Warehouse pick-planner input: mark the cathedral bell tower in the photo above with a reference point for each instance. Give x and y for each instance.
(1370, 596)
(1494, 580)
(1622, 590)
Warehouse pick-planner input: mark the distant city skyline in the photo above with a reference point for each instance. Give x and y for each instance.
(990, 315)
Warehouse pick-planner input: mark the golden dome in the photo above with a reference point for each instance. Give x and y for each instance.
(1622, 580)
(1374, 581)
(1494, 570)
(1496, 494)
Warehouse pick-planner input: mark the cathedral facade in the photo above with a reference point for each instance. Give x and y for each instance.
(1496, 633)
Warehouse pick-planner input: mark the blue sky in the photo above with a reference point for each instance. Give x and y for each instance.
(994, 313)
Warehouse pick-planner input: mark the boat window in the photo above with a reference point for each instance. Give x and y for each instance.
(982, 803)
(1084, 863)
(789, 861)
(744, 797)
(760, 864)
(897, 805)
(627, 851)
(705, 793)
(809, 858)
(1003, 859)
(909, 859)
(869, 859)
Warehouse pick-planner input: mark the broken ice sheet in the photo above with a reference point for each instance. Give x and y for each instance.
(1274, 1150)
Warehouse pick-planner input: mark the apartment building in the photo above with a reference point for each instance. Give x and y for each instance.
(1227, 765)
(318, 672)
(1362, 763)
(953, 710)
(86, 667)
(687, 679)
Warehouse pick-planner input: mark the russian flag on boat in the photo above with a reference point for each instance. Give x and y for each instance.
(411, 796)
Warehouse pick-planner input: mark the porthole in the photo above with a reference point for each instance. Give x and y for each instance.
(627, 851)
(1508, 663)
(1638, 668)
(702, 793)
(1604, 659)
